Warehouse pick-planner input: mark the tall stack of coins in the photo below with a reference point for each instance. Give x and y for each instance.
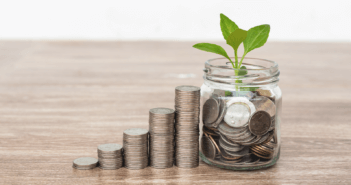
(110, 156)
(135, 145)
(187, 106)
(85, 163)
(161, 128)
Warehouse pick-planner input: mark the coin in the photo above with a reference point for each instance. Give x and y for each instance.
(266, 138)
(264, 151)
(222, 111)
(260, 123)
(111, 147)
(253, 141)
(162, 111)
(264, 104)
(224, 128)
(210, 131)
(267, 93)
(135, 132)
(210, 111)
(85, 163)
(189, 88)
(237, 115)
(243, 152)
(245, 100)
(208, 148)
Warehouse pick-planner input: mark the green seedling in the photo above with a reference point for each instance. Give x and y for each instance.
(253, 38)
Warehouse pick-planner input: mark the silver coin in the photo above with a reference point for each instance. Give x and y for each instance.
(208, 147)
(227, 147)
(264, 104)
(161, 111)
(85, 163)
(210, 111)
(253, 141)
(260, 123)
(223, 109)
(267, 93)
(111, 147)
(237, 115)
(188, 88)
(224, 128)
(135, 131)
(243, 152)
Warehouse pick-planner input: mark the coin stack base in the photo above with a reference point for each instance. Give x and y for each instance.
(110, 156)
(187, 106)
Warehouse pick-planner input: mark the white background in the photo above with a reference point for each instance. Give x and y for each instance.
(290, 20)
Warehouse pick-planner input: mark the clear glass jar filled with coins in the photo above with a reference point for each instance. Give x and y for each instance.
(241, 114)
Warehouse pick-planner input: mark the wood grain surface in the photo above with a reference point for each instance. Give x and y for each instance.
(60, 100)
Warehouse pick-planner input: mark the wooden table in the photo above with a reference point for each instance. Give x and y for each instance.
(59, 100)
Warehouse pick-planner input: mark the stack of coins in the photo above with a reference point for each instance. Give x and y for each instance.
(85, 163)
(161, 128)
(187, 106)
(135, 145)
(110, 156)
(264, 151)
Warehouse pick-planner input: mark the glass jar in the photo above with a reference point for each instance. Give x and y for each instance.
(240, 114)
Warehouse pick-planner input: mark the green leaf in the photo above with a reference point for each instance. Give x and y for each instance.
(248, 88)
(211, 48)
(256, 37)
(228, 93)
(227, 26)
(236, 38)
(242, 72)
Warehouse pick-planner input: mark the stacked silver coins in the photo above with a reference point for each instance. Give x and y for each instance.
(110, 156)
(161, 128)
(187, 107)
(135, 145)
(85, 163)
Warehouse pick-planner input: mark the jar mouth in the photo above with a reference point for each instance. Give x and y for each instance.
(269, 64)
(258, 72)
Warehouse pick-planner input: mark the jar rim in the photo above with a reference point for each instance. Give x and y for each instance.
(257, 72)
(274, 64)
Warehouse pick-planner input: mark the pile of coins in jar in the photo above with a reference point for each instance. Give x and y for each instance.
(239, 127)
(172, 139)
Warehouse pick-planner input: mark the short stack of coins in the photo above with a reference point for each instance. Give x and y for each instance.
(85, 163)
(110, 156)
(135, 145)
(161, 128)
(187, 107)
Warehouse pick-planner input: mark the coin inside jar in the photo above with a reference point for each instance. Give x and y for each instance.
(222, 111)
(264, 104)
(260, 123)
(237, 115)
(210, 111)
(208, 148)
